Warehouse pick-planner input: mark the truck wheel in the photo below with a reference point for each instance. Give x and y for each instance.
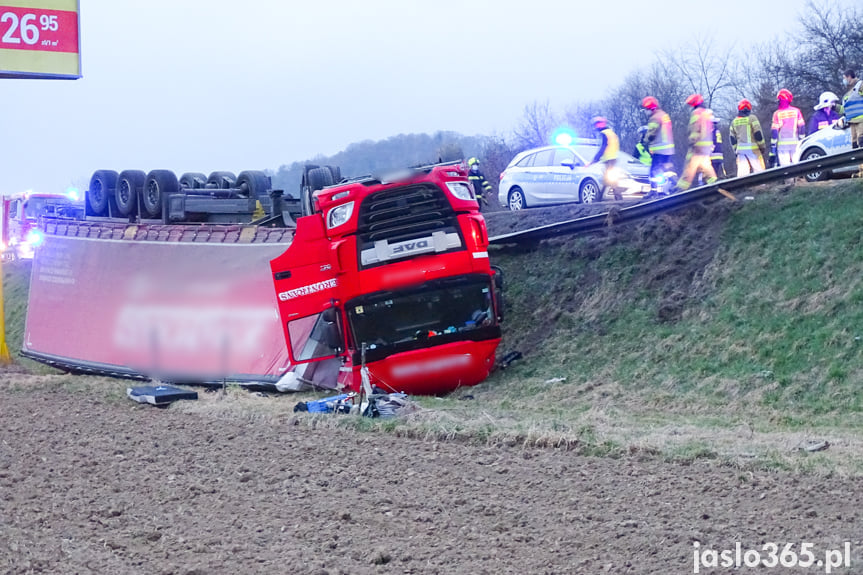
(222, 180)
(811, 154)
(193, 180)
(336, 172)
(158, 186)
(102, 185)
(130, 184)
(253, 184)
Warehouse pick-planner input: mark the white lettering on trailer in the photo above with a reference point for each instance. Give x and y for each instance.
(430, 366)
(309, 289)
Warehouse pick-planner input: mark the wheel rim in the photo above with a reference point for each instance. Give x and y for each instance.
(124, 192)
(812, 176)
(153, 194)
(96, 192)
(516, 201)
(588, 193)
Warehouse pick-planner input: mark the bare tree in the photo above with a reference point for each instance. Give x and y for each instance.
(536, 126)
(704, 68)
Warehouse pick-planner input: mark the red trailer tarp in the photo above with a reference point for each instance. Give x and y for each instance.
(176, 310)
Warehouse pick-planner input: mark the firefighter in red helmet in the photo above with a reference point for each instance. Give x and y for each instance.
(660, 143)
(787, 129)
(747, 140)
(700, 144)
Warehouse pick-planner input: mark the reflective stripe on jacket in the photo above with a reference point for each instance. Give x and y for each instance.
(717, 145)
(659, 135)
(642, 154)
(789, 126)
(745, 133)
(701, 131)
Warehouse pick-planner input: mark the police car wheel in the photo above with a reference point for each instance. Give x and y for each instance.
(814, 176)
(589, 192)
(515, 201)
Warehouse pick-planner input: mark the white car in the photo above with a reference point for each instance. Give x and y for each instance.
(557, 175)
(821, 143)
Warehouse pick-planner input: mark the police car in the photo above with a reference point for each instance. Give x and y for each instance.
(821, 143)
(558, 174)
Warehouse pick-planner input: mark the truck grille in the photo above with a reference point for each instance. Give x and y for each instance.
(404, 213)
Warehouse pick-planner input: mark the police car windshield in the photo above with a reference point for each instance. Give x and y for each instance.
(434, 310)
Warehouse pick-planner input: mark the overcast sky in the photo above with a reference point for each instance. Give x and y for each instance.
(203, 85)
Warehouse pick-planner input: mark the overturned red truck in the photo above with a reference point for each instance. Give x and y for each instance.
(390, 273)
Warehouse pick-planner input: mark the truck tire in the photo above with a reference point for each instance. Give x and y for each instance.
(336, 172)
(130, 184)
(102, 185)
(158, 186)
(193, 180)
(316, 179)
(222, 180)
(253, 184)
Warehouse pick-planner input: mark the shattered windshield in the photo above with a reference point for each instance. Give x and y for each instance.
(453, 306)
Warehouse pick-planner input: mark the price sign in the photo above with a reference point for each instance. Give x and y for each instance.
(39, 39)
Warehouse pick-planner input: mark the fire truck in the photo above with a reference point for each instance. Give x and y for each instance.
(21, 213)
(223, 279)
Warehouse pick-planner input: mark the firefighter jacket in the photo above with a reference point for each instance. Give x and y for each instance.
(745, 134)
(852, 103)
(787, 128)
(660, 138)
(717, 155)
(821, 119)
(481, 186)
(642, 154)
(701, 131)
(608, 147)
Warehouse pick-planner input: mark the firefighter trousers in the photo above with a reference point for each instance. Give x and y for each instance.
(697, 163)
(749, 162)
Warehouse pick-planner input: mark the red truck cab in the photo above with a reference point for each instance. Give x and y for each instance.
(21, 213)
(392, 273)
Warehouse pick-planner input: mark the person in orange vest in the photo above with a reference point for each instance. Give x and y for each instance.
(660, 143)
(700, 144)
(787, 129)
(747, 140)
(609, 147)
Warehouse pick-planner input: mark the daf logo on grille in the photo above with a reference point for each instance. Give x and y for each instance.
(407, 247)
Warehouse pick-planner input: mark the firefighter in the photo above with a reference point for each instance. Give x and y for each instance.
(481, 186)
(609, 147)
(825, 113)
(717, 156)
(700, 144)
(660, 143)
(787, 129)
(641, 152)
(747, 140)
(852, 108)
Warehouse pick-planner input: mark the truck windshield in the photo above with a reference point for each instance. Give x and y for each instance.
(443, 309)
(35, 207)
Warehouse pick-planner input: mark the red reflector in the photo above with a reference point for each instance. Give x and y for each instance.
(502, 174)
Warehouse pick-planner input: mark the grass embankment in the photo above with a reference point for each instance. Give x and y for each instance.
(732, 332)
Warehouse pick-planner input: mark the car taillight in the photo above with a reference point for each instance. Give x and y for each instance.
(502, 174)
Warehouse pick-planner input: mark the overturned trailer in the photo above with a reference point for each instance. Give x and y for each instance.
(387, 272)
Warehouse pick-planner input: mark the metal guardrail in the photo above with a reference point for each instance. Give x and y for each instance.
(645, 209)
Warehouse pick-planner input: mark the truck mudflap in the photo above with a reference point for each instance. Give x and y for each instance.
(179, 311)
(435, 370)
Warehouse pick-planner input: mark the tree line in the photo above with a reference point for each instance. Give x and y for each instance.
(827, 40)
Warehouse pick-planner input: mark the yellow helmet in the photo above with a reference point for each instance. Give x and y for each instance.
(472, 162)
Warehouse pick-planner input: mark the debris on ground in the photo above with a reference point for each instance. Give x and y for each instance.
(813, 446)
(555, 380)
(508, 358)
(159, 395)
(373, 405)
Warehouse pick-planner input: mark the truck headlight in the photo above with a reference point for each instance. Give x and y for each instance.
(460, 190)
(339, 215)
